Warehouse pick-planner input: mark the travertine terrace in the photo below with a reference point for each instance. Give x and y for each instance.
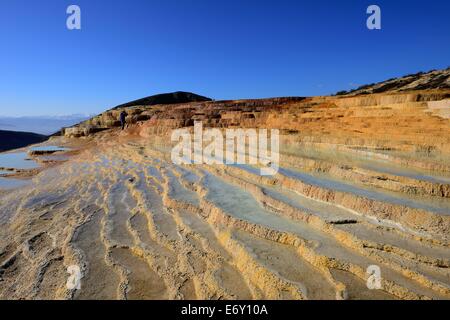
(364, 180)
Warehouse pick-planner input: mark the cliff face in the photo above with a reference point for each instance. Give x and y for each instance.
(220, 113)
(416, 119)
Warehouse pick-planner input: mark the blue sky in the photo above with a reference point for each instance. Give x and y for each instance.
(222, 49)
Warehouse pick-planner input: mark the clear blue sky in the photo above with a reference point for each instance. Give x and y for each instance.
(222, 49)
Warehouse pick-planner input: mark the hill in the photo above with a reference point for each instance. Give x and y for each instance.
(12, 139)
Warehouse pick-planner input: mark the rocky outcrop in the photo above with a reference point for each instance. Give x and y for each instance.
(363, 181)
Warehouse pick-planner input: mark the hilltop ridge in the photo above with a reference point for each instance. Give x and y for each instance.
(13, 139)
(434, 79)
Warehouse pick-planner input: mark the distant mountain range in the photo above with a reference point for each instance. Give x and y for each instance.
(44, 125)
(12, 140)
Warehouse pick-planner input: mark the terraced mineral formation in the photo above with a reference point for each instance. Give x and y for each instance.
(364, 180)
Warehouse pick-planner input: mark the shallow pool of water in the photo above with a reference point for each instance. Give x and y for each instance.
(17, 160)
(379, 165)
(441, 206)
(153, 172)
(241, 204)
(417, 174)
(187, 175)
(179, 192)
